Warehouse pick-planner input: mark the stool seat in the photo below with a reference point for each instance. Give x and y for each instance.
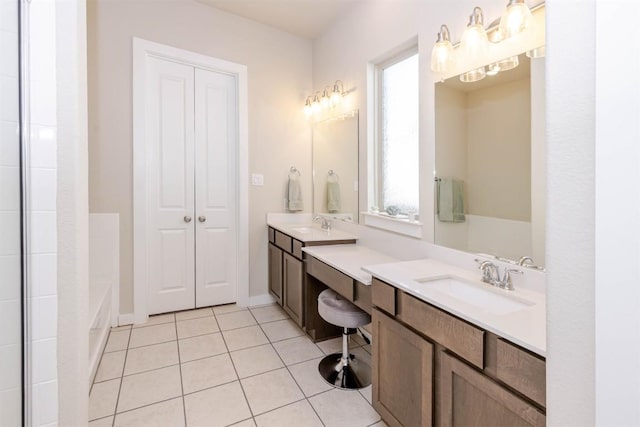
(343, 370)
(340, 312)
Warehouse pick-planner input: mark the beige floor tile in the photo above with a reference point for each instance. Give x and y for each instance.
(308, 377)
(366, 393)
(269, 313)
(238, 319)
(296, 350)
(195, 327)
(102, 422)
(299, 414)
(245, 423)
(194, 314)
(255, 360)
(334, 345)
(281, 330)
(149, 387)
(270, 390)
(201, 346)
(151, 357)
(110, 366)
(227, 308)
(207, 373)
(219, 406)
(344, 408)
(152, 335)
(103, 398)
(238, 339)
(169, 413)
(361, 354)
(157, 319)
(117, 341)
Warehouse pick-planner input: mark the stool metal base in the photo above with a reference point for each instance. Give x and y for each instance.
(349, 374)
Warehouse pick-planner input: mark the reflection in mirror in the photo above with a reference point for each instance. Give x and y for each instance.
(335, 167)
(490, 172)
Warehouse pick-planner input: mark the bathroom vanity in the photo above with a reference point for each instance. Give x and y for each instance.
(432, 367)
(287, 272)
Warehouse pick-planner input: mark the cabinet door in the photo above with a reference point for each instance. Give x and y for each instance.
(293, 296)
(402, 374)
(468, 398)
(275, 272)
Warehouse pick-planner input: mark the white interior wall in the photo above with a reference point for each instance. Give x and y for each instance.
(279, 79)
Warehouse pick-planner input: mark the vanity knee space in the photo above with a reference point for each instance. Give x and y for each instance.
(454, 372)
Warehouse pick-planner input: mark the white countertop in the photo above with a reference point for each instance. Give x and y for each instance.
(349, 259)
(310, 232)
(525, 327)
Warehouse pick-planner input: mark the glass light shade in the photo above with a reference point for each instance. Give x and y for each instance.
(474, 42)
(508, 63)
(441, 56)
(315, 105)
(324, 101)
(493, 69)
(538, 52)
(515, 19)
(473, 75)
(336, 98)
(307, 110)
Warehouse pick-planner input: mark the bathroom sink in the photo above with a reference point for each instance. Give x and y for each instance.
(303, 230)
(483, 296)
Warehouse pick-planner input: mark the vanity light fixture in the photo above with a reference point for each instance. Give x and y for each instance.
(442, 53)
(337, 93)
(308, 110)
(474, 42)
(515, 19)
(315, 105)
(325, 100)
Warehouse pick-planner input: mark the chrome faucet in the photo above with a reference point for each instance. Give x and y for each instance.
(525, 260)
(326, 223)
(491, 275)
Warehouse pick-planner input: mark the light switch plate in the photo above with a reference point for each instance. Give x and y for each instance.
(257, 179)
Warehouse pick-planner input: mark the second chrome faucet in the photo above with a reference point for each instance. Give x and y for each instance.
(491, 275)
(325, 224)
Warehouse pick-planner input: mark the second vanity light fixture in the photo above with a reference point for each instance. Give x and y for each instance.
(474, 42)
(329, 97)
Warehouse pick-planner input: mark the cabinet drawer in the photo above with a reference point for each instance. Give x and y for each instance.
(283, 241)
(272, 235)
(362, 296)
(383, 296)
(522, 371)
(297, 249)
(455, 334)
(339, 282)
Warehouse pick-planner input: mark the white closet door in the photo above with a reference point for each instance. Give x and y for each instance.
(170, 193)
(216, 141)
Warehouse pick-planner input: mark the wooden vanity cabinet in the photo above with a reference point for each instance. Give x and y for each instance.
(293, 301)
(275, 272)
(432, 368)
(401, 372)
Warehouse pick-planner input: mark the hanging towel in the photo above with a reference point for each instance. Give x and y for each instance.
(333, 196)
(294, 193)
(450, 200)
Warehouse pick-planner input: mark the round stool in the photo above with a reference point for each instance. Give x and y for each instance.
(343, 370)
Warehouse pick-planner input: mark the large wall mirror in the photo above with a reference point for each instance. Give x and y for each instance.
(335, 167)
(490, 163)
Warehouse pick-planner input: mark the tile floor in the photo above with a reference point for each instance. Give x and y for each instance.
(222, 366)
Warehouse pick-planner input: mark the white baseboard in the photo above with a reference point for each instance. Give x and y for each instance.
(260, 300)
(125, 319)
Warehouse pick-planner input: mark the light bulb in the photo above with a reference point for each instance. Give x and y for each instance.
(442, 53)
(515, 19)
(324, 101)
(337, 93)
(315, 105)
(307, 107)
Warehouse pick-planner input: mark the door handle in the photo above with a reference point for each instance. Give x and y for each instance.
(202, 218)
(187, 218)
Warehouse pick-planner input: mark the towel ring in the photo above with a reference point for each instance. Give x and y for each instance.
(332, 173)
(293, 169)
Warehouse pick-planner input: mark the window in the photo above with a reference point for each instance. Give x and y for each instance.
(397, 97)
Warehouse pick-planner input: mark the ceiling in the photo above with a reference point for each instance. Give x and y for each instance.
(304, 18)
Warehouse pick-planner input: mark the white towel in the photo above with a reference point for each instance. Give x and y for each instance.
(294, 194)
(333, 197)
